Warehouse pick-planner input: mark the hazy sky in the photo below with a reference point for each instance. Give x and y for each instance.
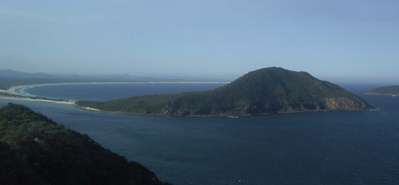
(342, 39)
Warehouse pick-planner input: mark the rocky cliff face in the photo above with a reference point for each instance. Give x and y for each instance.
(345, 104)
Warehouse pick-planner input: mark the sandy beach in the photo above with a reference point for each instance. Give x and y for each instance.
(20, 92)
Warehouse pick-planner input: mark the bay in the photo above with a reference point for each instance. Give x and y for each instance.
(332, 148)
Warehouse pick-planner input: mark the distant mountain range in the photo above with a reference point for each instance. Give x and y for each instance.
(37, 151)
(264, 91)
(17, 74)
(385, 91)
(10, 78)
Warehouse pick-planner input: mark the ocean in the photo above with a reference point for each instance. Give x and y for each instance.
(330, 148)
(102, 92)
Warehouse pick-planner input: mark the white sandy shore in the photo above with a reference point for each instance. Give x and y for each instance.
(91, 109)
(38, 100)
(21, 90)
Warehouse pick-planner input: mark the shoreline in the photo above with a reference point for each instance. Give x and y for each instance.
(381, 94)
(37, 100)
(21, 89)
(19, 92)
(229, 116)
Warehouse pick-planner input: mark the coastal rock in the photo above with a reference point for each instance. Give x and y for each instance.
(345, 104)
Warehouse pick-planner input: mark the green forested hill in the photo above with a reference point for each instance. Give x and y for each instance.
(264, 91)
(36, 151)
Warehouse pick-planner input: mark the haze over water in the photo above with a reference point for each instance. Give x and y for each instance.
(343, 41)
(340, 40)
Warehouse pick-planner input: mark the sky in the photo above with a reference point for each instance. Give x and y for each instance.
(353, 40)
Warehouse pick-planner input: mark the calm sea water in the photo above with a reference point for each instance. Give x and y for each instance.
(99, 92)
(337, 148)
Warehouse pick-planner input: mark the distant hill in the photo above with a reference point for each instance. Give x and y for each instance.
(37, 151)
(385, 91)
(264, 91)
(17, 74)
(9, 78)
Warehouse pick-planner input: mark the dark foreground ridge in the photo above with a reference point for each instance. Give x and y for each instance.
(265, 91)
(37, 151)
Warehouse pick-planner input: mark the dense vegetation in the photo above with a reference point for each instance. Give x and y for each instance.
(36, 151)
(265, 91)
(385, 91)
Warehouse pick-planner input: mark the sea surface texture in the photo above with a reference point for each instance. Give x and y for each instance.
(332, 148)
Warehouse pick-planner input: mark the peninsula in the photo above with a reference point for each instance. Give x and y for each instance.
(385, 91)
(264, 91)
